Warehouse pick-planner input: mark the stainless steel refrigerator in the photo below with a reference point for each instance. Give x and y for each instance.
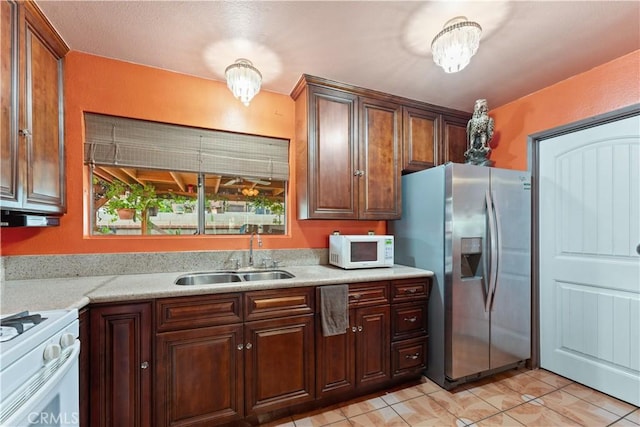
(471, 226)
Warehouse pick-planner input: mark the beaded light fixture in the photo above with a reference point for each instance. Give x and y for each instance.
(454, 46)
(243, 79)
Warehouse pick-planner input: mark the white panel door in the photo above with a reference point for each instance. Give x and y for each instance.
(589, 221)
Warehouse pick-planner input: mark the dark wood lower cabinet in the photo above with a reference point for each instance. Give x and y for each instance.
(359, 358)
(279, 363)
(239, 358)
(121, 356)
(372, 346)
(199, 376)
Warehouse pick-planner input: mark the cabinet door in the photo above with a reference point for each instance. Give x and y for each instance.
(199, 376)
(335, 361)
(454, 139)
(378, 160)
(41, 122)
(420, 139)
(8, 114)
(279, 363)
(120, 365)
(332, 154)
(372, 345)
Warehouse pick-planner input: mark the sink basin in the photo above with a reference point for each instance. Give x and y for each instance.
(220, 277)
(267, 275)
(208, 278)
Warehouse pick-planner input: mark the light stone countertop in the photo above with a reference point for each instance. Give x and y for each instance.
(77, 292)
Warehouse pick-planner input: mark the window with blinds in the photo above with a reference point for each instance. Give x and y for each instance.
(172, 179)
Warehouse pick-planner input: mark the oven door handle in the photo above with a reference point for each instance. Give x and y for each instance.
(21, 404)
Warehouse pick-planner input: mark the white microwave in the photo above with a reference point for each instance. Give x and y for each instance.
(360, 251)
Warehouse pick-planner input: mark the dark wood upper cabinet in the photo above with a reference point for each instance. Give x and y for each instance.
(420, 147)
(32, 177)
(352, 144)
(454, 139)
(347, 152)
(378, 160)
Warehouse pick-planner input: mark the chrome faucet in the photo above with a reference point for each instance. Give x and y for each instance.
(253, 233)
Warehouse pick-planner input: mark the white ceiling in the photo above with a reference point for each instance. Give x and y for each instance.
(382, 45)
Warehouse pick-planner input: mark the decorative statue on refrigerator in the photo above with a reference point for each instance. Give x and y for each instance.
(479, 133)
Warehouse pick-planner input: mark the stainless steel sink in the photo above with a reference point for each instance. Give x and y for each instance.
(267, 275)
(211, 278)
(220, 277)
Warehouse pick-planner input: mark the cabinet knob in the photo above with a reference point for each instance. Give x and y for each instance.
(360, 328)
(412, 356)
(353, 329)
(240, 347)
(248, 346)
(24, 132)
(144, 365)
(410, 319)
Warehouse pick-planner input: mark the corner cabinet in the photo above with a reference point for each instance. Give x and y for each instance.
(32, 170)
(347, 151)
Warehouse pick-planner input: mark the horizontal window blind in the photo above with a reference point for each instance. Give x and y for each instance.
(133, 143)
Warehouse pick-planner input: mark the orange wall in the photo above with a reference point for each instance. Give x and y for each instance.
(107, 86)
(113, 87)
(605, 88)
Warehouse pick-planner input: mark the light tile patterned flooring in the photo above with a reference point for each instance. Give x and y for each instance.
(519, 397)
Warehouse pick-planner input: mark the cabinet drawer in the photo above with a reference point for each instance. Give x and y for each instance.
(199, 311)
(410, 289)
(278, 303)
(365, 294)
(408, 357)
(408, 320)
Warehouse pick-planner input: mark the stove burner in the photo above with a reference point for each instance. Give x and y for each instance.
(14, 325)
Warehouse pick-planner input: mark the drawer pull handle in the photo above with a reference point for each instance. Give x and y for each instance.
(410, 319)
(355, 296)
(412, 356)
(410, 291)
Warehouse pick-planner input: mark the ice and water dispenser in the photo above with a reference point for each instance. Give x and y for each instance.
(471, 257)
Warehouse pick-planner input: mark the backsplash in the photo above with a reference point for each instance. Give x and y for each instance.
(59, 266)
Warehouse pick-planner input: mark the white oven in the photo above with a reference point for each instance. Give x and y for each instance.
(39, 372)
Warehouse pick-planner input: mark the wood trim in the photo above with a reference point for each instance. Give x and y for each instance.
(36, 18)
(309, 80)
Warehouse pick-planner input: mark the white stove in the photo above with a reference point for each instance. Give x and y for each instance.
(39, 368)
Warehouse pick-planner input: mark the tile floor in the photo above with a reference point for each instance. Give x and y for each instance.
(516, 398)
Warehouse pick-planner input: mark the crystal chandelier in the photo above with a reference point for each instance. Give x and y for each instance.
(454, 46)
(243, 79)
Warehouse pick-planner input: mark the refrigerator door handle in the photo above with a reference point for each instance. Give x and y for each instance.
(493, 251)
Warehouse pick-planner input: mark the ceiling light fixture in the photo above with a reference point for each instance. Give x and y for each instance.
(454, 46)
(243, 79)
